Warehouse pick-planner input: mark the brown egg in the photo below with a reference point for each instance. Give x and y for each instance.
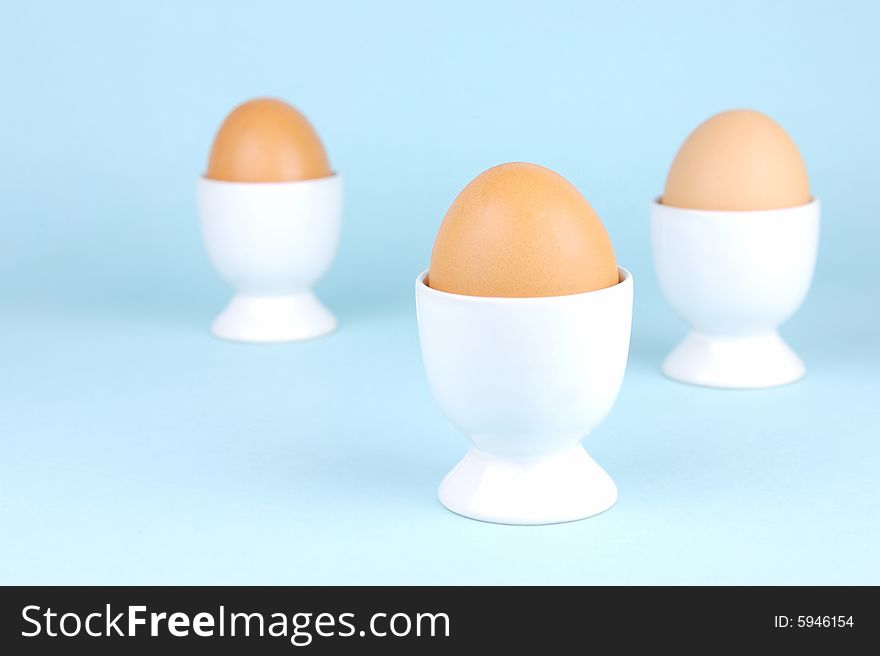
(267, 140)
(739, 160)
(521, 230)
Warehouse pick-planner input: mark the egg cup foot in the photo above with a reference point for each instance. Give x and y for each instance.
(561, 487)
(273, 319)
(739, 363)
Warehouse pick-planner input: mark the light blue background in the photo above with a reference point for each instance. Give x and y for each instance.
(138, 449)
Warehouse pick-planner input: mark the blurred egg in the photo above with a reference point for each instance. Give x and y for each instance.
(738, 160)
(521, 230)
(267, 140)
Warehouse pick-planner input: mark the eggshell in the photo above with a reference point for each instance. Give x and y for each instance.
(267, 140)
(739, 160)
(521, 230)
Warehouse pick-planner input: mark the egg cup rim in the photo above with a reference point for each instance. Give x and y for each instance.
(814, 202)
(267, 184)
(625, 280)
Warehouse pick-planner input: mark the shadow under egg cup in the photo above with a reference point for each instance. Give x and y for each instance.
(526, 379)
(271, 241)
(734, 277)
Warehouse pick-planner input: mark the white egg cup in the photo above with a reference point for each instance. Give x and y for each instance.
(735, 277)
(272, 241)
(526, 379)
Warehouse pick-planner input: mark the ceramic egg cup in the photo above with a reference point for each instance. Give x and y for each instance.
(525, 379)
(734, 277)
(271, 242)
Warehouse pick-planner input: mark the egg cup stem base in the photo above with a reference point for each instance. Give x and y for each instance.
(559, 487)
(288, 318)
(741, 362)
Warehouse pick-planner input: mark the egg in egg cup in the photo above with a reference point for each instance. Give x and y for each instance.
(271, 211)
(518, 359)
(735, 238)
